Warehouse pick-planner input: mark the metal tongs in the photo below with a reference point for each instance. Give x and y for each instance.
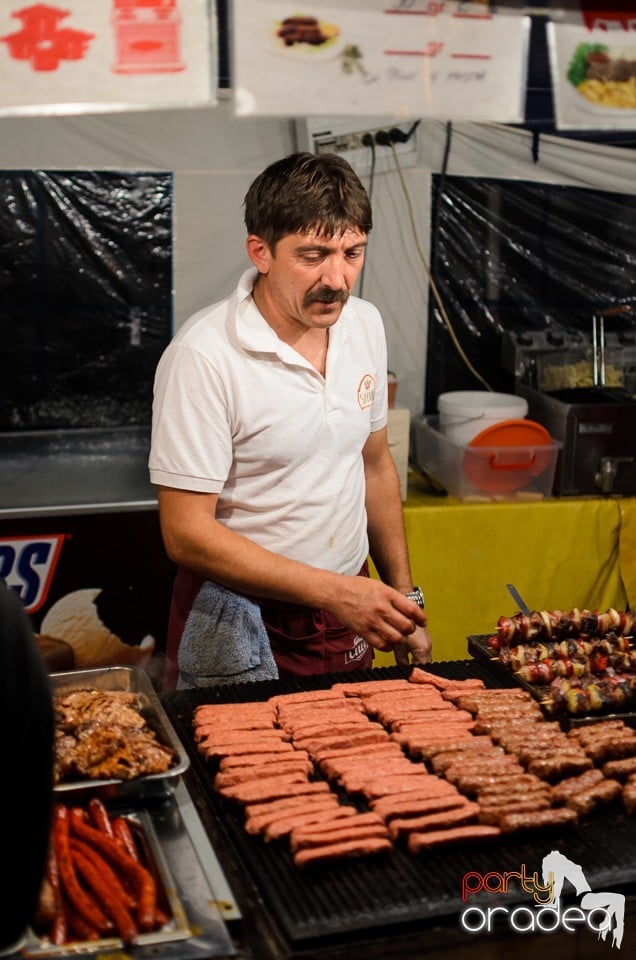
(598, 350)
(516, 596)
(598, 340)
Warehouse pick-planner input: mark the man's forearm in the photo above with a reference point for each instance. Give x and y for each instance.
(385, 524)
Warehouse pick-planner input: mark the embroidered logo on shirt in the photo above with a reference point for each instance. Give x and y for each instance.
(358, 651)
(366, 391)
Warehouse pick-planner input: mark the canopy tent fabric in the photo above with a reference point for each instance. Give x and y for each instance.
(212, 158)
(496, 150)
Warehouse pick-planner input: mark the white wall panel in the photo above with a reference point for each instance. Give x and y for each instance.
(214, 157)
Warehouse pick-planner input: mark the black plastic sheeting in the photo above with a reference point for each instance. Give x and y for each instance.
(514, 255)
(85, 311)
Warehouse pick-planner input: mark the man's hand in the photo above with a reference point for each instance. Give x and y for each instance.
(385, 617)
(416, 648)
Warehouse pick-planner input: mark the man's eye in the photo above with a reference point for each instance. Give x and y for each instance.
(355, 254)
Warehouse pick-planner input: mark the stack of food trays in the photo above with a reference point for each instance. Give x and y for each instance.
(576, 664)
(108, 885)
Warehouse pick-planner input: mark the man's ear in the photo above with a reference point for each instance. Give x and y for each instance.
(258, 252)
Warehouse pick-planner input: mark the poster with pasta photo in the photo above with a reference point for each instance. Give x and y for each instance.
(424, 58)
(593, 72)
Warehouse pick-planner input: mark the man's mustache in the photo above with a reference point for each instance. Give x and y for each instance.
(325, 295)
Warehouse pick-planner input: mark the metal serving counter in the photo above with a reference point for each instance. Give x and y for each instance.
(65, 471)
(243, 898)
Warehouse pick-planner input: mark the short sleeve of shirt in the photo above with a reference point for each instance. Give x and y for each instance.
(191, 435)
(379, 413)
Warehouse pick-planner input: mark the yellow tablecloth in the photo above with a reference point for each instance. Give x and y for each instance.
(559, 553)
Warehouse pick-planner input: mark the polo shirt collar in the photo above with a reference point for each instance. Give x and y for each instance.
(254, 333)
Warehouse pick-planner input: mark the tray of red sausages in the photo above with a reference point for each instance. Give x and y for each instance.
(346, 796)
(107, 885)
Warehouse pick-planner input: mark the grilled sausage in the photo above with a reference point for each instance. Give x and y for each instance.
(341, 849)
(559, 817)
(419, 842)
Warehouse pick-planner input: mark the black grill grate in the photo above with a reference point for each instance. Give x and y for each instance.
(397, 890)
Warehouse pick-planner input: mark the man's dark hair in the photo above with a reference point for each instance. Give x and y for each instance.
(304, 192)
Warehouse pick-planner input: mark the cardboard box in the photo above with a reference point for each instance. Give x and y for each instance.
(398, 428)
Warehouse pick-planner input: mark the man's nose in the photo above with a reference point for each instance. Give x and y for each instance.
(333, 274)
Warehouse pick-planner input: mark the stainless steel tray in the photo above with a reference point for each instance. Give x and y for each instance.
(177, 927)
(129, 680)
(194, 892)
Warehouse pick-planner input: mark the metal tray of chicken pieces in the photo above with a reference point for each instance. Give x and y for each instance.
(128, 785)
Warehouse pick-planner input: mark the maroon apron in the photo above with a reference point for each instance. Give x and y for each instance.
(303, 640)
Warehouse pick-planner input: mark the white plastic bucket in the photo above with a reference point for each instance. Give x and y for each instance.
(465, 413)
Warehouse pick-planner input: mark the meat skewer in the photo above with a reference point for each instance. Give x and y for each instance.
(589, 694)
(544, 671)
(558, 625)
(569, 649)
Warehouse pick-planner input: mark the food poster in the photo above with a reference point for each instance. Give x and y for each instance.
(96, 587)
(402, 58)
(78, 57)
(593, 66)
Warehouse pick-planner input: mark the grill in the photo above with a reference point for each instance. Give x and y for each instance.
(339, 901)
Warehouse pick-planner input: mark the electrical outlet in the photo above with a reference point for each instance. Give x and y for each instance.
(354, 148)
(337, 136)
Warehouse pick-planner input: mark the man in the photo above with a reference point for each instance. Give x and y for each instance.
(27, 798)
(269, 443)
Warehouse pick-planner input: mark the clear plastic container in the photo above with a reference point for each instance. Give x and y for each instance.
(483, 474)
(569, 369)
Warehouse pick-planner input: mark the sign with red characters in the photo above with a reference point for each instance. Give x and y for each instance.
(105, 53)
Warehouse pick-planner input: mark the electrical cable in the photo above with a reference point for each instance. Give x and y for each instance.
(431, 281)
(440, 194)
(395, 135)
(369, 142)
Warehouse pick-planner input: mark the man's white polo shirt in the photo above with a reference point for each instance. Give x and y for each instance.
(240, 413)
